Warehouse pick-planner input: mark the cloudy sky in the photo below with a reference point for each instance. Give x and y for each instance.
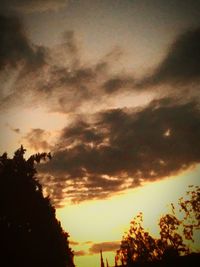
(111, 88)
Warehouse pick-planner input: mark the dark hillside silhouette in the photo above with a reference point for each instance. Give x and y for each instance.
(30, 234)
(139, 248)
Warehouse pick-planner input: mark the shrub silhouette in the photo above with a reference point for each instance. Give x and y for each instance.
(30, 234)
(139, 247)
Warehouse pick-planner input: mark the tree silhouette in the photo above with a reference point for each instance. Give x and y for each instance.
(138, 246)
(191, 209)
(30, 234)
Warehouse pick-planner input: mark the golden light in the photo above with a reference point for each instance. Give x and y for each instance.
(107, 220)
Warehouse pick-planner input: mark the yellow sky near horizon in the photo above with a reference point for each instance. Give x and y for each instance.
(106, 220)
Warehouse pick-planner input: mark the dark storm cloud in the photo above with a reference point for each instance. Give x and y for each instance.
(83, 131)
(121, 148)
(181, 64)
(104, 246)
(15, 48)
(29, 6)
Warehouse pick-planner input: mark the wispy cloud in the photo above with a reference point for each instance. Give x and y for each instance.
(104, 246)
(37, 139)
(80, 253)
(30, 6)
(56, 77)
(74, 243)
(59, 79)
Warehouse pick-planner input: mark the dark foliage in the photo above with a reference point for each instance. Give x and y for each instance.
(139, 248)
(30, 234)
(191, 260)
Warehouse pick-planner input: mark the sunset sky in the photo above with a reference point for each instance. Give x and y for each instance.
(111, 88)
